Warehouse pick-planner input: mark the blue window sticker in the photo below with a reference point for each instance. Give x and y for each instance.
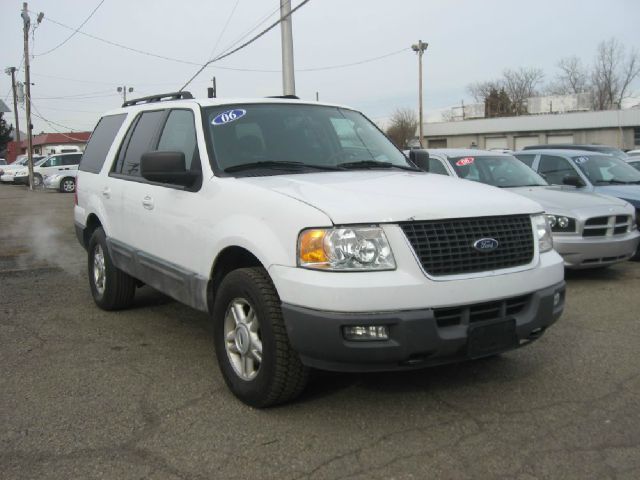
(228, 116)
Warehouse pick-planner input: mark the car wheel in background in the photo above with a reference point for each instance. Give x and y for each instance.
(254, 354)
(68, 185)
(37, 180)
(112, 289)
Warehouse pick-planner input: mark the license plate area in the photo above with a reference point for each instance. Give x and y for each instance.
(488, 338)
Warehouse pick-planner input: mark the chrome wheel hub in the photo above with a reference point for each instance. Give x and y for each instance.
(98, 269)
(242, 339)
(68, 186)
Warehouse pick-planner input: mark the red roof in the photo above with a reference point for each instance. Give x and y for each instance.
(58, 138)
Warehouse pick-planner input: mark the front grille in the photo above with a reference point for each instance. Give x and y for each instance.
(445, 247)
(448, 317)
(603, 226)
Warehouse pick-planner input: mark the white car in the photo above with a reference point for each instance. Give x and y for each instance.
(310, 239)
(7, 173)
(60, 164)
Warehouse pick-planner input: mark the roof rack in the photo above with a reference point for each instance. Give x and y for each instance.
(159, 98)
(290, 97)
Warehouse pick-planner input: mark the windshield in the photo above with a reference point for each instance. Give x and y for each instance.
(40, 161)
(300, 138)
(605, 169)
(500, 171)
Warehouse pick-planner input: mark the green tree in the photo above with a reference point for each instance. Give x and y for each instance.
(5, 133)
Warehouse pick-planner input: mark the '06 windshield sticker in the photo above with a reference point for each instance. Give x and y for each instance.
(228, 116)
(581, 160)
(465, 161)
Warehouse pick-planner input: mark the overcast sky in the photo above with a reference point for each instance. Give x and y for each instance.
(469, 40)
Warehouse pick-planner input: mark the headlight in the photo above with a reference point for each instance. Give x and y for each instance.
(345, 249)
(559, 223)
(543, 232)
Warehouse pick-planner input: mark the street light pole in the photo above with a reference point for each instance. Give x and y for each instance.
(12, 71)
(419, 48)
(286, 31)
(124, 91)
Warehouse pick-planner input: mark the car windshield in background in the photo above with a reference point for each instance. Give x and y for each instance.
(635, 164)
(39, 161)
(500, 171)
(606, 169)
(286, 138)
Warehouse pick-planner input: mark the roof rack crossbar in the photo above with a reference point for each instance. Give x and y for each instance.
(288, 97)
(159, 98)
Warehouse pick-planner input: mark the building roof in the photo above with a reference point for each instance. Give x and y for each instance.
(533, 123)
(58, 138)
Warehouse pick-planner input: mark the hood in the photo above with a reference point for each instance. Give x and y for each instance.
(626, 192)
(376, 196)
(559, 200)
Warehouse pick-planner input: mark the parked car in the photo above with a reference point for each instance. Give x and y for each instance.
(616, 152)
(2, 162)
(310, 239)
(53, 164)
(633, 153)
(589, 230)
(64, 182)
(634, 162)
(8, 172)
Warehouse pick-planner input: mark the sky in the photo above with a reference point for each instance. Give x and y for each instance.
(469, 41)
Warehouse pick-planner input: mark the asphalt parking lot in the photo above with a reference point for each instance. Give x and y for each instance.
(137, 394)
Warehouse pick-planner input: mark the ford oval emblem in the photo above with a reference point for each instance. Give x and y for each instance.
(486, 244)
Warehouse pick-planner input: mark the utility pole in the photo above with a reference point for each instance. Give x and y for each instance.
(26, 21)
(12, 71)
(124, 91)
(419, 48)
(286, 31)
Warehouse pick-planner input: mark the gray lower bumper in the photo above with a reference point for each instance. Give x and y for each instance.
(581, 252)
(416, 340)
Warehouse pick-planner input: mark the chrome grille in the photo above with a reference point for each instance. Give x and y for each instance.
(606, 226)
(445, 247)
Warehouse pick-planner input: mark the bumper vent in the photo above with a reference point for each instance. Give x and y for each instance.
(445, 247)
(448, 317)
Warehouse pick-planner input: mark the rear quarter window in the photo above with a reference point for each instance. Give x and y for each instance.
(100, 142)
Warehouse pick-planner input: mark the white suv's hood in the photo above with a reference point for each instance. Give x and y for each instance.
(394, 196)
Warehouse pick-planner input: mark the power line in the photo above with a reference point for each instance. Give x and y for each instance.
(245, 44)
(51, 124)
(73, 33)
(78, 95)
(224, 29)
(252, 29)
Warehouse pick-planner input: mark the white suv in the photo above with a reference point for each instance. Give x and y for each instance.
(310, 239)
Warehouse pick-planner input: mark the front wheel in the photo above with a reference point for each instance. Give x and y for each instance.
(37, 180)
(112, 289)
(253, 350)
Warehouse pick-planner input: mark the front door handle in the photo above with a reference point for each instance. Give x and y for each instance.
(106, 193)
(147, 202)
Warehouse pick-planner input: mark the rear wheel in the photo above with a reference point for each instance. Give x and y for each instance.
(37, 180)
(68, 185)
(254, 354)
(112, 289)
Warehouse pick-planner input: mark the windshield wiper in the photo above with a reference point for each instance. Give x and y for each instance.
(522, 185)
(617, 182)
(370, 164)
(284, 165)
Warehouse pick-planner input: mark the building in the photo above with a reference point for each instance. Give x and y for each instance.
(48, 143)
(618, 128)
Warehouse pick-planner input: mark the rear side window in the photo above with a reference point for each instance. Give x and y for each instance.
(526, 159)
(555, 169)
(140, 141)
(100, 143)
(71, 159)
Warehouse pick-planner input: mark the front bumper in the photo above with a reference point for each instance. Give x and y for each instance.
(21, 180)
(416, 337)
(588, 252)
(52, 182)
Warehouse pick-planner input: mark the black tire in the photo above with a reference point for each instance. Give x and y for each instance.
(281, 376)
(37, 180)
(68, 185)
(117, 288)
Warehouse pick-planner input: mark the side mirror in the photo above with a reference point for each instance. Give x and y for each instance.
(420, 158)
(166, 167)
(573, 180)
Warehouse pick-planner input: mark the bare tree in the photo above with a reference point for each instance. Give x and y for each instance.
(573, 78)
(403, 125)
(481, 90)
(613, 72)
(521, 84)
